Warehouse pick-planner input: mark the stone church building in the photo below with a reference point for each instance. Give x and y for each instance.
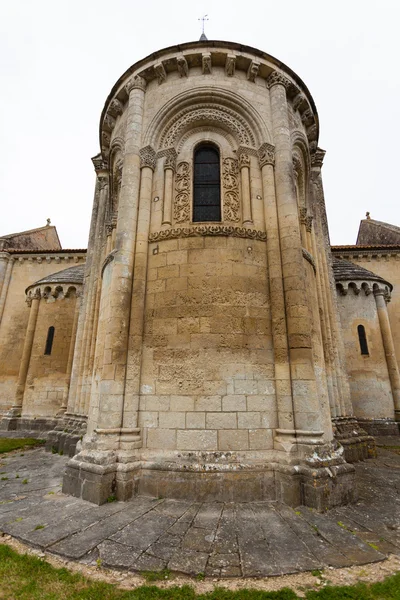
(209, 343)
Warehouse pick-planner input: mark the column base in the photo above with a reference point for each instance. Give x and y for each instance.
(358, 445)
(65, 437)
(380, 427)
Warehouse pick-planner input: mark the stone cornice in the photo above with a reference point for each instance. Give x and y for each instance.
(256, 64)
(208, 230)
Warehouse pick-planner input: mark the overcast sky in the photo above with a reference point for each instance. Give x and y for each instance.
(59, 60)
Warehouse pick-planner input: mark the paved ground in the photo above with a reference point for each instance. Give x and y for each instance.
(219, 540)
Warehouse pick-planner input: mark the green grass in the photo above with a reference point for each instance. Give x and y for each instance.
(8, 444)
(26, 577)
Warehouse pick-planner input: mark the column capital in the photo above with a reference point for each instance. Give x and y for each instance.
(102, 180)
(266, 155)
(135, 83)
(244, 160)
(170, 160)
(277, 78)
(147, 157)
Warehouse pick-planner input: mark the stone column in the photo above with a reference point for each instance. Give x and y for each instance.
(4, 258)
(97, 470)
(169, 170)
(64, 402)
(244, 164)
(26, 354)
(131, 407)
(380, 299)
(279, 331)
(6, 281)
(307, 417)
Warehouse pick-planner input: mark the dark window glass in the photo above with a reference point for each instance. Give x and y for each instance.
(206, 192)
(362, 338)
(49, 341)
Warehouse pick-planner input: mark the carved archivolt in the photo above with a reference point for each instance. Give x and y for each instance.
(182, 196)
(230, 183)
(208, 230)
(209, 113)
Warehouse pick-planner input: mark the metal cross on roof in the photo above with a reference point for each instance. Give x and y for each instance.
(203, 35)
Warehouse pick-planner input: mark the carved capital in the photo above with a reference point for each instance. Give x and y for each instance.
(309, 222)
(182, 65)
(296, 164)
(170, 161)
(303, 215)
(100, 164)
(266, 155)
(230, 65)
(109, 229)
(147, 157)
(135, 83)
(312, 145)
(252, 71)
(160, 72)
(37, 295)
(115, 107)
(318, 158)
(277, 78)
(244, 160)
(105, 139)
(206, 63)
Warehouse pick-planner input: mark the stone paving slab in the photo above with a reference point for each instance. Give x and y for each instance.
(220, 540)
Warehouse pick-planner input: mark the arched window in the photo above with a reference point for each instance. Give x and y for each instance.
(206, 191)
(362, 338)
(49, 340)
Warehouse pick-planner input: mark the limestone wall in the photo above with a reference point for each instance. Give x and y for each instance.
(26, 270)
(368, 374)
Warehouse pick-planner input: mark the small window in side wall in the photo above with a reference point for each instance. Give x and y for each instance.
(49, 340)
(362, 338)
(206, 188)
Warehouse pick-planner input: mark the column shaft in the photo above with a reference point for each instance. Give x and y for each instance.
(277, 298)
(168, 193)
(389, 350)
(63, 406)
(27, 350)
(305, 398)
(6, 283)
(246, 195)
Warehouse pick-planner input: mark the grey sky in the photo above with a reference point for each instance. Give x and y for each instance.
(59, 60)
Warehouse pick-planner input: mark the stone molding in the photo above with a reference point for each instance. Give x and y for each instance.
(317, 158)
(208, 230)
(182, 193)
(57, 258)
(100, 163)
(230, 187)
(53, 290)
(358, 286)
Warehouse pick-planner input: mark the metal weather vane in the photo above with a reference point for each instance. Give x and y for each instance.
(203, 19)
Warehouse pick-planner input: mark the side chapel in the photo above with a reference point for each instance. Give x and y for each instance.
(209, 343)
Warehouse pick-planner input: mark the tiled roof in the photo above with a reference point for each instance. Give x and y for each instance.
(71, 275)
(344, 270)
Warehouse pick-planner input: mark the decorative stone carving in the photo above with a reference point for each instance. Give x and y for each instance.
(206, 63)
(296, 164)
(309, 221)
(303, 215)
(182, 197)
(170, 161)
(244, 160)
(230, 183)
(105, 139)
(147, 157)
(307, 118)
(135, 83)
(211, 113)
(208, 230)
(230, 65)
(160, 72)
(266, 155)
(182, 65)
(277, 78)
(309, 258)
(103, 181)
(252, 71)
(297, 101)
(313, 146)
(115, 107)
(109, 122)
(318, 158)
(100, 164)
(312, 132)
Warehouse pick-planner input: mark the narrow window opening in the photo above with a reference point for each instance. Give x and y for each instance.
(206, 191)
(49, 340)
(362, 338)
